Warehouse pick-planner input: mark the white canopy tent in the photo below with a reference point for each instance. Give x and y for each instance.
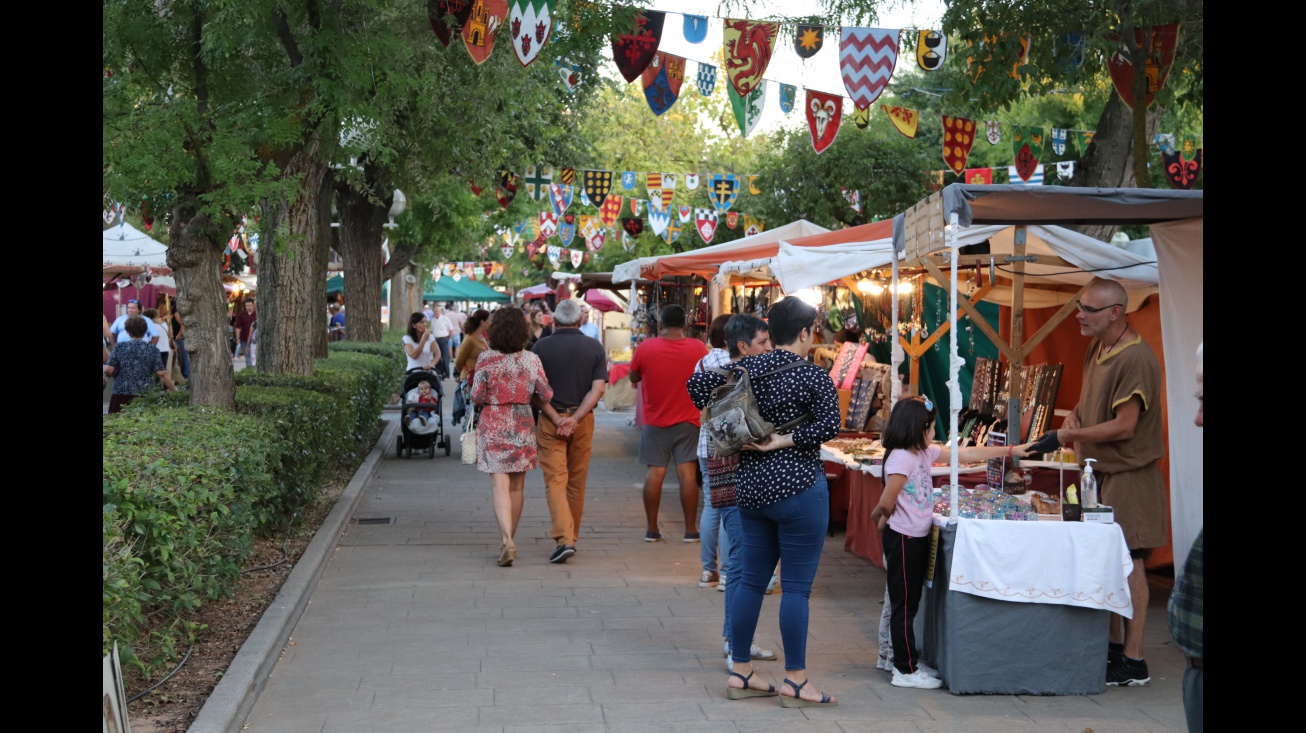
(711, 257)
(126, 246)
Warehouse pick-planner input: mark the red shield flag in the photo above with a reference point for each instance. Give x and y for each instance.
(748, 47)
(1027, 145)
(634, 50)
(610, 210)
(1160, 56)
(548, 224)
(824, 113)
(438, 10)
(479, 31)
(958, 137)
(732, 218)
(978, 175)
(705, 222)
(662, 80)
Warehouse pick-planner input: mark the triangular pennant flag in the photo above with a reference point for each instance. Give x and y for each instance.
(1059, 137)
(1180, 170)
(993, 132)
(986, 53)
(706, 79)
(904, 120)
(548, 224)
(695, 28)
(584, 197)
(632, 225)
(438, 11)
(854, 199)
(978, 175)
(788, 92)
(931, 47)
(634, 50)
(507, 190)
(862, 117)
(560, 197)
(958, 137)
(537, 180)
(569, 72)
(748, 47)
(1165, 141)
(1035, 179)
(691, 181)
(824, 115)
(566, 228)
(1027, 145)
(748, 112)
(628, 243)
(481, 27)
(577, 256)
(1160, 57)
(723, 192)
(866, 60)
(610, 210)
(628, 180)
(684, 212)
(566, 176)
(554, 253)
(1085, 139)
(1066, 170)
(752, 226)
(732, 218)
(597, 185)
(507, 250)
(1068, 52)
(529, 22)
(659, 220)
(662, 80)
(531, 228)
(705, 221)
(808, 40)
(672, 232)
(653, 184)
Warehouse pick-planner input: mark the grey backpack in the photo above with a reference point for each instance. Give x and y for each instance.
(731, 417)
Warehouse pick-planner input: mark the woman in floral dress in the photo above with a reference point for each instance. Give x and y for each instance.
(508, 380)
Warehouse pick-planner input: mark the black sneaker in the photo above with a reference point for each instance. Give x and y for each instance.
(561, 554)
(1128, 673)
(1115, 653)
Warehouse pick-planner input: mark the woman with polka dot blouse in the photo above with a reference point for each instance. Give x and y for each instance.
(784, 504)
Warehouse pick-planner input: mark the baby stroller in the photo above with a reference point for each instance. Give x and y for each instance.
(416, 434)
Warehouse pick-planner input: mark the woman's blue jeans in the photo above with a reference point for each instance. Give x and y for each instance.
(183, 356)
(732, 556)
(791, 531)
(709, 525)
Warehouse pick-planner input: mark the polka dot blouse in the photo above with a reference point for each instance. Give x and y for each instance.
(766, 478)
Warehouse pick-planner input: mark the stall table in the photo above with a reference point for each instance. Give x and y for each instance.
(1023, 608)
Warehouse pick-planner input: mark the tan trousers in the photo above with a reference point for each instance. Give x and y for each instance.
(566, 465)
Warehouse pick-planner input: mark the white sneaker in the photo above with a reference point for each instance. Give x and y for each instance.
(916, 679)
(754, 652)
(925, 669)
(730, 664)
(770, 587)
(707, 579)
(721, 583)
(884, 663)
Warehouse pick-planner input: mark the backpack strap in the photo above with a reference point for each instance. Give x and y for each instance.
(791, 365)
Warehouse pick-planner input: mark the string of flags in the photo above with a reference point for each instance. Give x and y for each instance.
(867, 60)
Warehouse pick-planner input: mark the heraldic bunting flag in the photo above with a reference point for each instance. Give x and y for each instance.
(695, 28)
(1160, 57)
(748, 48)
(788, 93)
(597, 185)
(958, 137)
(723, 190)
(824, 114)
(904, 120)
(529, 22)
(866, 60)
(439, 10)
(1027, 145)
(931, 47)
(662, 80)
(634, 50)
(479, 32)
(706, 79)
(748, 110)
(705, 222)
(610, 211)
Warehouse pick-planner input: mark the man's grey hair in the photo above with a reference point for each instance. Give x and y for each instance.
(567, 314)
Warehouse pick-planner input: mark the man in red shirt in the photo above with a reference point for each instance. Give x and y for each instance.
(243, 324)
(663, 364)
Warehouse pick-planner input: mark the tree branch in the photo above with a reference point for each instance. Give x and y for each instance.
(288, 39)
(399, 259)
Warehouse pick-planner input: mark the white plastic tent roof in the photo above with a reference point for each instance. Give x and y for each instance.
(126, 245)
(632, 269)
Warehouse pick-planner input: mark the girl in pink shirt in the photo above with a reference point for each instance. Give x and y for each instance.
(904, 515)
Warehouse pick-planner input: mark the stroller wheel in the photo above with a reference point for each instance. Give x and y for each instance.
(431, 453)
(447, 447)
(399, 446)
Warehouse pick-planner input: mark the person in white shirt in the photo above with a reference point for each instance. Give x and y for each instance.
(418, 342)
(442, 330)
(134, 309)
(588, 327)
(459, 320)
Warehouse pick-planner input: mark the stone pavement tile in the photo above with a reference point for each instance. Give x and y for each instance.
(534, 662)
(652, 677)
(685, 692)
(752, 711)
(347, 681)
(510, 694)
(607, 634)
(652, 712)
(525, 600)
(551, 728)
(537, 612)
(424, 682)
(491, 646)
(686, 662)
(699, 726)
(804, 725)
(405, 698)
(410, 720)
(524, 679)
(505, 715)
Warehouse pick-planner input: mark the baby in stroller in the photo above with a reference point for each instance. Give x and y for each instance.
(424, 397)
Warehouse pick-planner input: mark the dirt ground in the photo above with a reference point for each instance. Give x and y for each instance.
(173, 705)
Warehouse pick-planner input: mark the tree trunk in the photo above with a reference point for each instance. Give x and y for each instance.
(270, 321)
(296, 276)
(195, 256)
(1109, 160)
(361, 232)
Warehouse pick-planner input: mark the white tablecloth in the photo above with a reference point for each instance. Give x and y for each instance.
(1070, 563)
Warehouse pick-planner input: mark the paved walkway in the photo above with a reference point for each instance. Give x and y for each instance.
(412, 627)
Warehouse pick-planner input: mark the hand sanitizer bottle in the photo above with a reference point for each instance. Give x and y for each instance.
(1088, 484)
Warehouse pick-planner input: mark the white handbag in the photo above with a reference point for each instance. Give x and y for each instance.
(468, 438)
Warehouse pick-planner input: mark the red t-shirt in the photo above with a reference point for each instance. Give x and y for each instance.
(664, 366)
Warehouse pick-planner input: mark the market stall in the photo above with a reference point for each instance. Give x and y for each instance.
(135, 268)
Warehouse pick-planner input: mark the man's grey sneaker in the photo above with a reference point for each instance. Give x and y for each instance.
(754, 652)
(561, 554)
(1129, 673)
(721, 583)
(707, 579)
(917, 679)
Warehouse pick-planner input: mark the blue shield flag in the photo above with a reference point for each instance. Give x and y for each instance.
(567, 229)
(706, 79)
(1059, 141)
(787, 94)
(695, 28)
(723, 191)
(560, 196)
(628, 180)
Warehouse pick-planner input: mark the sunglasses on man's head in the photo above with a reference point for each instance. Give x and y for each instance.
(137, 302)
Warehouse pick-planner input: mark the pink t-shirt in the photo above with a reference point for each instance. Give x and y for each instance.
(914, 511)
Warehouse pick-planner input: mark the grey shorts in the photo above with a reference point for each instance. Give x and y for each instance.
(675, 444)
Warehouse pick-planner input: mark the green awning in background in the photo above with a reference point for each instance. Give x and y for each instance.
(465, 289)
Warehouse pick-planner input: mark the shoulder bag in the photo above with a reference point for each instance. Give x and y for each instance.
(731, 416)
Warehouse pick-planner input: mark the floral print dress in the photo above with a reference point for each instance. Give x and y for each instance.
(505, 434)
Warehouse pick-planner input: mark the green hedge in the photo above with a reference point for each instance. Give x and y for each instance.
(390, 349)
(185, 489)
